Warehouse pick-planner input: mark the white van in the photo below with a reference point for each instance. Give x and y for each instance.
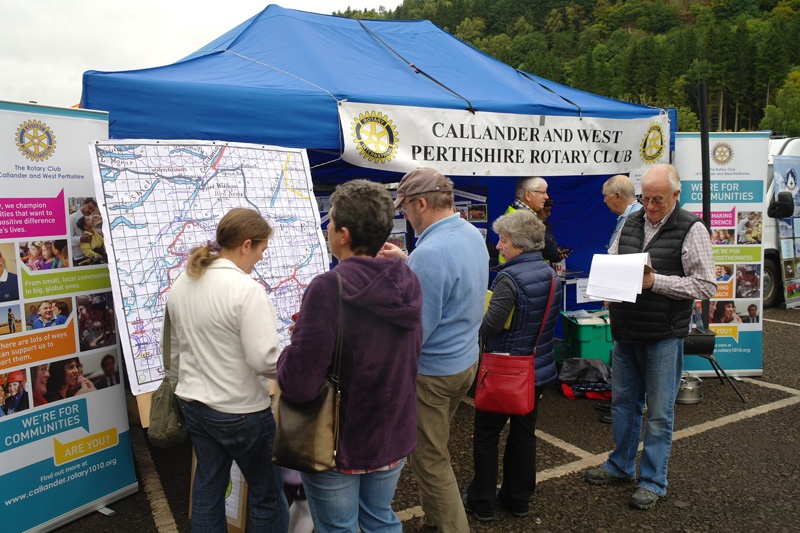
(773, 273)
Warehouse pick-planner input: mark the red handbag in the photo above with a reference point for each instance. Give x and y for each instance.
(506, 383)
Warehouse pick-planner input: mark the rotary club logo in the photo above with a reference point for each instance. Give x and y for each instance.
(653, 144)
(35, 140)
(375, 137)
(722, 153)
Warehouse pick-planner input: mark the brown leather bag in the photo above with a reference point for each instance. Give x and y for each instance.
(307, 435)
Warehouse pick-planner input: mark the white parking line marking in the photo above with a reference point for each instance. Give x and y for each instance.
(590, 460)
(768, 385)
(566, 446)
(162, 514)
(781, 322)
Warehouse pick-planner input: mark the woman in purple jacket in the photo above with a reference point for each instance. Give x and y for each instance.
(382, 336)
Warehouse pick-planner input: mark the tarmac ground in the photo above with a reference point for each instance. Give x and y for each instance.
(734, 466)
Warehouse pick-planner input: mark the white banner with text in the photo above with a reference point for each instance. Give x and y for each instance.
(463, 143)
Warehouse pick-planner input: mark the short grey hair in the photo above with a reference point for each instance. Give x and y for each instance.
(672, 174)
(524, 229)
(621, 184)
(529, 184)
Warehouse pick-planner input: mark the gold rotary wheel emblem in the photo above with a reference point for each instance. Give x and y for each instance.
(653, 144)
(722, 153)
(35, 140)
(375, 137)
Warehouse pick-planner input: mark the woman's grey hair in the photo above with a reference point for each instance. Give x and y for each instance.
(524, 229)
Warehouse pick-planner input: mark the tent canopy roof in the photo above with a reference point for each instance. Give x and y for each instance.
(277, 77)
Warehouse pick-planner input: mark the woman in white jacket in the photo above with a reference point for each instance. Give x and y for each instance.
(224, 345)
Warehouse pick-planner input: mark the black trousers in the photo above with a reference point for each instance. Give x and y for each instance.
(519, 461)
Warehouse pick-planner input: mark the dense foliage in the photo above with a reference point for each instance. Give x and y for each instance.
(653, 52)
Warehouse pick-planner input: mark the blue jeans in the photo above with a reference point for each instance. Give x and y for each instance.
(651, 371)
(220, 438)
(346, 502)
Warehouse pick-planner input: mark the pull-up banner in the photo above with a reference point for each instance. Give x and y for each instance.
(65, 447)
(738, 164)
(464, 143)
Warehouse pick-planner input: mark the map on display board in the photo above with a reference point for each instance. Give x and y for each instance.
(162, 198)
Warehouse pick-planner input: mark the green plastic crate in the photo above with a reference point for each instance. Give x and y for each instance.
(558, 350)
(587, 341)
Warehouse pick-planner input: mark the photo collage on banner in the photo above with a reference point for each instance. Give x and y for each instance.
(65, 449)
(738, 164)
(786, 170)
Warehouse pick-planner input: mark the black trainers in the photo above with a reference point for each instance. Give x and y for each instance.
(518, 513)
(478, 517)
(598, 476)
(643, 499)
(603, 405)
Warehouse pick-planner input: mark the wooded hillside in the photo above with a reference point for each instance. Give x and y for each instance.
(645, 51)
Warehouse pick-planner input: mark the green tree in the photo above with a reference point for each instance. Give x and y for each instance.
(471, 30)
(499, 47)
(603, 73)
(607, 14)
(687, 119)
(647, 59)
(659, 18)
(784, 115)
(742, 73)
(554, 23)
(771, 62)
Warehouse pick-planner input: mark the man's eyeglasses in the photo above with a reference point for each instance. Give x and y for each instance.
(537, 192)
(402, 208)
(407, 200)
(657, 201)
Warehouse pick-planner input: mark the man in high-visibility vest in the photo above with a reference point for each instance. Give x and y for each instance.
(531, 194)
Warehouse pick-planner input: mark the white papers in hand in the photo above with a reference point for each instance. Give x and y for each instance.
(617, 278)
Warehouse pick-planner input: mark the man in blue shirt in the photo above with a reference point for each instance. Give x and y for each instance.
(619, 195)
(452, 264)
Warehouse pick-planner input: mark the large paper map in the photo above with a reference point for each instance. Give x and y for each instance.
(159, 199)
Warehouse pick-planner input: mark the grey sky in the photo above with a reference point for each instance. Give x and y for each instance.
(48, 44)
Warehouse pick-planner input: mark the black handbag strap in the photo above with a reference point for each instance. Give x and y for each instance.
(337, 356)
(546, 313)
(165, 340)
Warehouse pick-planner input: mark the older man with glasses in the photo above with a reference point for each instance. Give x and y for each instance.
(452, 264)
(647, 356)
(531, 194)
